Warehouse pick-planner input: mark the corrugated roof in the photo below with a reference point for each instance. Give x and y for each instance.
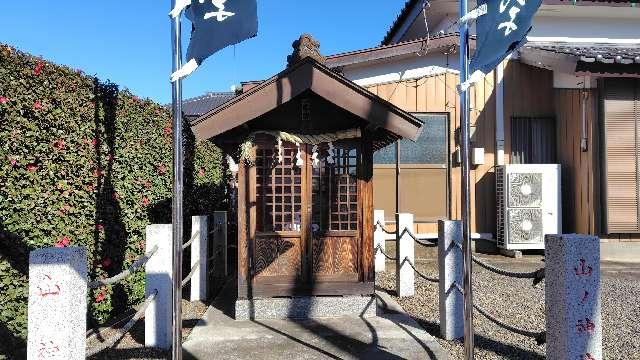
(201, 105)
(404, 13)
(606, 54)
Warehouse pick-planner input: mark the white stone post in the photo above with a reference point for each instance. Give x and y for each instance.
(450, 270)
(199, 254)
(572, 297)
(379, 240)
(405, 277)
(57, 313)
(220, 241)
(157, 317)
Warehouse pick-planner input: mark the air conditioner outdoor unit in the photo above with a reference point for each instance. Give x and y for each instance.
(529, 205)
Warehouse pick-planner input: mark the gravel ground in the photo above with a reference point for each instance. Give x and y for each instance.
(132, 344)
(524, 308)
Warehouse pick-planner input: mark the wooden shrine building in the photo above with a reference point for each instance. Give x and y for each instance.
(304, 141)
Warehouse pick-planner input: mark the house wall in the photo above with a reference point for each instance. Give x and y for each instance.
(579, 168)
(414, 67)
(438, 94)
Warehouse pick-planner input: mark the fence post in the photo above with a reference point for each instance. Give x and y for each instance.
(199, 254)
(405, 277)
(379, 240)
(57, 312)
(450, 271)
(158, 316)
(220, 240)
(572, 297)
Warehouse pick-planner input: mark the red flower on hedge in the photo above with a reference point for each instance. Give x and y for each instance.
(116, 196)
(32, 168)
(3, 100)
(94, 141)
(64, 242)
(90, 188)
(37, 105)
(13, 162)
(145, 201)
(59, 144)
(168, 129)
(38, 69)
(97, 172)
(106, 263)
(136, 99)
(201, 173)
(100, 297)
(99, 227)
(109, 157)
(162, 169)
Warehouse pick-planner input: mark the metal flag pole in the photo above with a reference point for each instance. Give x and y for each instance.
(464, 155)
(176, 206)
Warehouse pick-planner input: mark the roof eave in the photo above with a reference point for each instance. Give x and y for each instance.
(308, 75)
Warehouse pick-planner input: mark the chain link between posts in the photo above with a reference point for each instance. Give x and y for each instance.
(537, 276)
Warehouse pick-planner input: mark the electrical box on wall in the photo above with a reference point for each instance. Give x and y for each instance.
(477, 156)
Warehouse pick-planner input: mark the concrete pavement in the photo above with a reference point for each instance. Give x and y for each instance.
(391, 335)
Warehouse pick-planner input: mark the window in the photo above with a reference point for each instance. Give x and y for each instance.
(278, 190)
(622, 155)
(430, 148)
(533, 140)
(424, 179)
(335, 192)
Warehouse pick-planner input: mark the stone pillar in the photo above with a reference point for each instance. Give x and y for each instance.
(572, 297)
(450, 269)
(158, 316)
(220, 243)
(405, 277)
(57, 313)
(199, 253)
(379, 240)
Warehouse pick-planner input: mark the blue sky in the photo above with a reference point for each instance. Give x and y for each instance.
(129, 43)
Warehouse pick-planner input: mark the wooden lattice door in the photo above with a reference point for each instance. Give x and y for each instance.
(304, 220)
(278, 220)
(335, 241)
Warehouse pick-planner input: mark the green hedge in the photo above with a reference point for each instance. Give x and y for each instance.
(84, 163)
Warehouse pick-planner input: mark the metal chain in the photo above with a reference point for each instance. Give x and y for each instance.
(379, 224)
(427, 278)
(119, 277)
(379, 249)
(415, 238)
(120, 333)
(537, 275)
(539, 336)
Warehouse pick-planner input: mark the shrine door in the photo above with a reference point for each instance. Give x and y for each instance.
(305, 216)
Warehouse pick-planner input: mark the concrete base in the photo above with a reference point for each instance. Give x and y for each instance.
(308, 307)
(390, 335)
(624, 252)
(516, 254)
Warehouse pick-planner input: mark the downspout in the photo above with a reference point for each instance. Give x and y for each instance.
(583, 131)
(500, 114)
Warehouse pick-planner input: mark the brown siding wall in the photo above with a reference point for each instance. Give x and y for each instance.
(438, 94)
(579, 169)
(528, 92)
